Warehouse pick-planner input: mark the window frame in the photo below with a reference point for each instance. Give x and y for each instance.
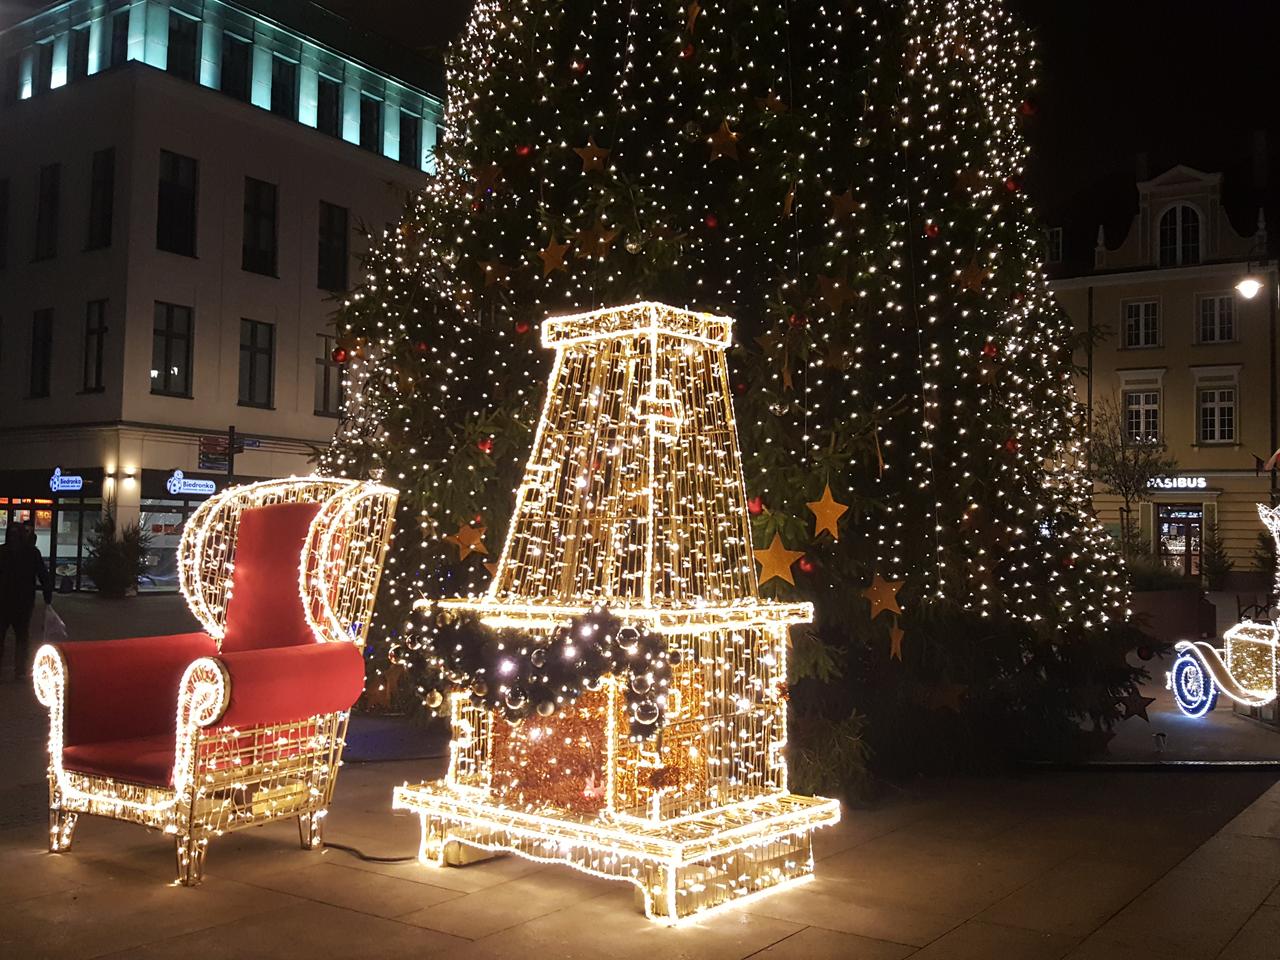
(1220, 408)
(1217, 298)
(325, 84)
(166, 200)
(4, 222)
(102, 185)
(290, 110)
(188, 70)
(242, 89)
(1142, 342)
(330, 255)
(330, 379)
(78, 49)
(260, 219)
(1181, 251)
(118, 38)
(48, 211)
(42, 68)
(248, 393)
(170, 337)
(1053, 239)
(1148, 408)
(95, 342)
(371, 141)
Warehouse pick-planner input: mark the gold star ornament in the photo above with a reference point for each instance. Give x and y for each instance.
(724, 142)
(595, 242)
(777, 561)
(593, 157)
(883, 595)
(552, 256)
(468, 540)
(826, 514)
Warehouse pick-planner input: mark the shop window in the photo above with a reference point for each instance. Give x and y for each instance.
(1217, 319)
(41, 353)
(284, 87)
(176, 206)
(171, 350)
(95, 340)
(1179, 537)
(119, 37)
(1142, 415)
(1142, 323)
(370, 123)
(237, 66)
(332, 256)
(410, 140)
(183, 34)
(259, 246)
(329, 106)
(102, 183)
(329, 390)
(257, 363)
(47, 203)
(1179, 237)
(78, 55)
(1217, 415)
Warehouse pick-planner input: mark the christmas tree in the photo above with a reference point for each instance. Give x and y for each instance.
(847, 184)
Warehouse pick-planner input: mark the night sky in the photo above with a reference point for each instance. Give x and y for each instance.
(1128, 88)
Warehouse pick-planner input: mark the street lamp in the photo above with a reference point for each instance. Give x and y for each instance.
(1249, 287)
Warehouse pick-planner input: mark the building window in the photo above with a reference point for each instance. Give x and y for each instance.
(95, 341)
(257, 361)
(78, 56)
(12, 79)
(4, 223)
(1142, 415)
(329, 107)
(1142, 323)
(102, 181)
(47, 212)
(1218, 415)
(43, 79)
(410, 140)
(329, 393)
(237, 66)
(331, 271)
(1179, 237)
(41, 353)
(370, 124)
(1217, 319)
(119, 37)
(176, 209)
(284, 87)
(259, 247)
(1053, 245)
(183, 32)
(171, 351)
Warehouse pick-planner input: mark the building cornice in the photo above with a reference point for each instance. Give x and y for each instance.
(1119, 278)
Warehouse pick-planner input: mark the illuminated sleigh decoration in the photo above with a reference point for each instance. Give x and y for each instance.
(633, 497)
(204, 733)
(1247, 669)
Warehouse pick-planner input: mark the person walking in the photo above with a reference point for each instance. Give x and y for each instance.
(22, 568)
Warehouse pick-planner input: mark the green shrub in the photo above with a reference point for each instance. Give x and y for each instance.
(117, 557)
(1214, 562)
(1149, 573)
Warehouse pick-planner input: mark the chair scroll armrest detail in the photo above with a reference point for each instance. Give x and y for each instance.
(285, 684)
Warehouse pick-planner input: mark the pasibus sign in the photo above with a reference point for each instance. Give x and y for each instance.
(1178, 483)
(180, 485)
(65, 482)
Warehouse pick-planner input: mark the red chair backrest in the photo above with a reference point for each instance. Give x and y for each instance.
(265, 609)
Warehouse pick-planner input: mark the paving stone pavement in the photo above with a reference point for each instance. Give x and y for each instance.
(1091, 865)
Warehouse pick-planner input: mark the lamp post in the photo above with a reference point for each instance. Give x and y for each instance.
(1249, 287)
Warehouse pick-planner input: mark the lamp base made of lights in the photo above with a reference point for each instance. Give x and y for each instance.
(680, 869)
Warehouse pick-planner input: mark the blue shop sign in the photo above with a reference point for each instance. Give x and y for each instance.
(181, 485)
(65, 482)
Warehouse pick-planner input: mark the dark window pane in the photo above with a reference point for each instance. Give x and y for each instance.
(410, 140)
(259, 244)
(329, 107)
(371, 124)
(41, 353)
(176, 207)
(257, 360)
(328, 385)
(78, 54)
(44, 67)
(182, 46)
(331, 273)
(101, 198)
(12, 79)
(4, 223)
(284, 87)
(237, 66)
(47, 212)
(119, 37)
(95, 338)
(171, 344)
(1190, 236)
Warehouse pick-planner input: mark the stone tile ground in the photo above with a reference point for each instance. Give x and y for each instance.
(1091, 865)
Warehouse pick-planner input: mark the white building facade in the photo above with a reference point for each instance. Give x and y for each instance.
(186, 189)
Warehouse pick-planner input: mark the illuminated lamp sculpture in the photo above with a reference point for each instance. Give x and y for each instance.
(1247, 669)
(633, 499)
(203, 733)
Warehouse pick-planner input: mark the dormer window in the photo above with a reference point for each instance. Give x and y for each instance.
(1179, 236)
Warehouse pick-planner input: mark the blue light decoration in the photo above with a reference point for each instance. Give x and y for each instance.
(181, 485)
(65, 482)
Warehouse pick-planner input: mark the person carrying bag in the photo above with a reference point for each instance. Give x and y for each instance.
(22, 570)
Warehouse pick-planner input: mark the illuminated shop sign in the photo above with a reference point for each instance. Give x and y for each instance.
(1178, 483)
(65, 482)
(180, 485)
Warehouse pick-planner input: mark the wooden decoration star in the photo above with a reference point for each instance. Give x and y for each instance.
(972, 275)
(883, 595)
(827, 514)
(789, 203)
(468, 540)
(1135, 705)
(969, 179)
(487, 179)
(492, 568)
(834, 292)
(777, 561)
(772, 103)
(552, 256)
(724, 143)
(595, 242)
(495, 272)
(843, 205)
(695, 8)
(896, 635)
(593, 157)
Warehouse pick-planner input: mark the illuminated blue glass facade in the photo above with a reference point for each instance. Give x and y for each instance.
(189, 38)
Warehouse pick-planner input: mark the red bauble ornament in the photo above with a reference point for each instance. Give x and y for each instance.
(485, 445)
(807, 565)
(422, 347)
(523, 150)
(755, 506)
(990, 351)
(477, 519)
(798, 321)
(579, 67)
(339, 354)
(1012, 445)
(1012, 184)
(740, 388)
(1145, 653)
(1028, 107)
(930, 229)
(712, 221)
(523, 327)
(688, 52)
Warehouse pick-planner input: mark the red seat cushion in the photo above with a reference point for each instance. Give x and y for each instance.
(265, 609)
(146, 760)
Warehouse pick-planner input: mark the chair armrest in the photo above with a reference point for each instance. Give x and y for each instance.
(117, 689)
(283, 684)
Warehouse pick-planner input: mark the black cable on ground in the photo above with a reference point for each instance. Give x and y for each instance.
(367, 858)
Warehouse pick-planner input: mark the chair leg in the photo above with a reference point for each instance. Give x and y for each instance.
(190, 852)
(311, 830)
(62, 829)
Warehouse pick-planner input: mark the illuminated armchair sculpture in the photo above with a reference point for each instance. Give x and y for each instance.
(200, 734)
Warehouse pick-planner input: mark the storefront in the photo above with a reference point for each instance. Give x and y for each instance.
(169, 497)
(61, 505)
